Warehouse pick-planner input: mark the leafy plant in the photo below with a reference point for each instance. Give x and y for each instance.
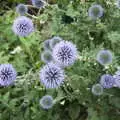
(74, 99)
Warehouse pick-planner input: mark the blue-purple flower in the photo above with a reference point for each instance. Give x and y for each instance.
(7, 74)
(65, 53)
(46, 45)
(51, 76)
(117, 78)
(107, 81)
(21, 9)
(118, 3)
(104, 57)
(97, 89)
(95, 11)
(46, 102)
(54, 41)
(23, 26)
(46, 56)
(38, 3)
(50, 43)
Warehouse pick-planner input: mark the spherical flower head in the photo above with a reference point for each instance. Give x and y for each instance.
(104, 57)
(7, 74)
(21, 9)
(117, 79)
(65, 53)
(46, 102)
(97, 89)
(23, 26)
(46, 45)
(51, 76)
(38, 3)
(46, 56)
(118, 3)
(95, 11)
(54, 41)
(107, 81)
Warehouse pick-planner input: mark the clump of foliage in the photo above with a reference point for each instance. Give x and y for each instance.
(74, 99)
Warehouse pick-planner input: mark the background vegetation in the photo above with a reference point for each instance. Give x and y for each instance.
(69, 20)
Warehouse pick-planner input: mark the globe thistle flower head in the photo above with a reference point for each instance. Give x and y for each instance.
(118, 3)
(21, 9)
(54, 41)
(46, 102)
(107, 81)
(51, 76)
(46, 56)
(23, 26)
(117, 78)
(46, 45)
(38, 3)
(7, 74)
(97, 89)
(104, 57)
(65, 53)
(95, 11)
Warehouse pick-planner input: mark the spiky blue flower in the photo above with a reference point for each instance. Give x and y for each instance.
(97, 89)
(117, 78)
(7, 74)
(54, 41)
(117, 81)
(104, 57)
(95, 11)
(51, 76)
(65, 53)
(118, 3)
(107, 81)
(46, 102)
(21, 9)
(46, 56)
(46, 45)
(23, 26)
(38, 3)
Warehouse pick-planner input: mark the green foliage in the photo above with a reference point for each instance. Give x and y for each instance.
(74, 100)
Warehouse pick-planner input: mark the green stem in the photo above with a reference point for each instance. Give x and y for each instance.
(32, 16)
(23, 41)
(31, 6)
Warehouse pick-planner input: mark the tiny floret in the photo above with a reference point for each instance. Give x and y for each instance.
(23, 26)
(21, 9)
(51, 76)
(95, 11)
(104, 57)
(7, 74)
(46, 102)
(65, 53)
(38, 3)
(97, 89)
(46, 56)
(107, 81)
